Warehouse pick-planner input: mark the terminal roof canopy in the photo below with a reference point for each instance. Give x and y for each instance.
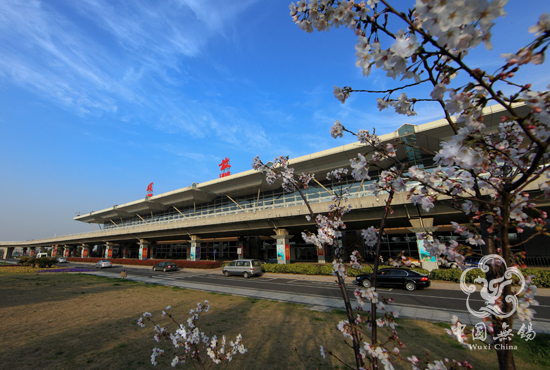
(428, 136)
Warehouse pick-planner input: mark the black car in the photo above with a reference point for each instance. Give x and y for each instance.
(166, 266)
(395, 277)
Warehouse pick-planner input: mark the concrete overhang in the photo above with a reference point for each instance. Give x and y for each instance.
(428, 136)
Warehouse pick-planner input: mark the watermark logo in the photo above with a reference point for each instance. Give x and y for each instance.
(479, 332)
(492, 290)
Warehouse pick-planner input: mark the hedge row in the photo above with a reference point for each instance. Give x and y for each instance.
(179, 263)
(454, 275)
(319, 269)
(541, 277)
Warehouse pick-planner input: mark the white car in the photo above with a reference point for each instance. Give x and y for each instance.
(62, 260)
(103, 263)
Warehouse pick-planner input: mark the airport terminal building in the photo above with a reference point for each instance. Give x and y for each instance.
(241, 215)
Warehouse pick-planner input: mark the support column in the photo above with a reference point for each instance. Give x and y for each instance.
(109, 249)
(32, 251)
(66, 250)
(194, 251)
(85, 250)
(322, 252)
(152, 250)
(283, 245)
(423, 228)
(241, 249)
(54, 250)
(125, 252)
(143, 249)
(320, 255)
(8, 252)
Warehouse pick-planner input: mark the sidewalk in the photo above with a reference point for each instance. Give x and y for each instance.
(327, 304)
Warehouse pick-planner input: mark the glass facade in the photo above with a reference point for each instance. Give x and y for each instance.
(170, 251)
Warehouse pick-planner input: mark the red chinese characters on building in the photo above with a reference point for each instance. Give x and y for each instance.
(224, 167)
(150, 190)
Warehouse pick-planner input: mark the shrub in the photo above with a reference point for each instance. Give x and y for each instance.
(44, 262)
(40, 262)
(26, 261)
(541, 277)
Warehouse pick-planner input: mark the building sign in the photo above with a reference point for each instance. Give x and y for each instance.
(283, 251)
(280, 253)
(195, 253)
(425, 256)
(224, 167)
(150, 190)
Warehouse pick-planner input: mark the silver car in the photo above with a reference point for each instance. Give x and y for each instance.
(246, 268)
(103, 263)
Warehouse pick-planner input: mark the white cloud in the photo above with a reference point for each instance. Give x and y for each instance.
(125, 59)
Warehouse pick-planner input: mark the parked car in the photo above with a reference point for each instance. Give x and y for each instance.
(409, 261)
(62, 260)
(246, 268)
(166, 266)
(395, 277)
(444, 262)
(41, 254)
(471, 261)
(103, 263)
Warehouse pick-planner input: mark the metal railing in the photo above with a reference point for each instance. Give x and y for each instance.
(210, 213)
(204, 214)
(537, 261)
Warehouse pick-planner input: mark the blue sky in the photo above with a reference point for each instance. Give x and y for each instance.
(99, 98)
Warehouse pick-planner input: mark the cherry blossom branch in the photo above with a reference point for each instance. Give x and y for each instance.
(389, 91)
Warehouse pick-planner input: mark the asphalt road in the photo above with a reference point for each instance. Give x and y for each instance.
(432, 298)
